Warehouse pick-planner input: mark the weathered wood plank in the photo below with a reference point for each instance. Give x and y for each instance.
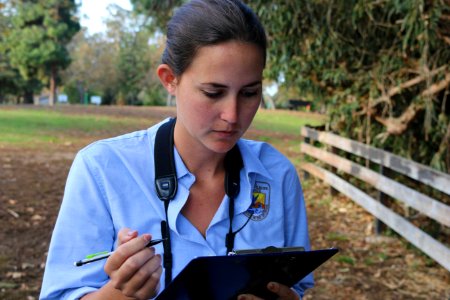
(414, 235)
(419, 172)
(423, 203)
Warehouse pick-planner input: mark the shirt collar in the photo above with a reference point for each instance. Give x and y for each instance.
(180, 167)
(252, 163)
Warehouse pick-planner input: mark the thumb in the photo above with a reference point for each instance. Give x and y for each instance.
(126, 235)
(283, 291)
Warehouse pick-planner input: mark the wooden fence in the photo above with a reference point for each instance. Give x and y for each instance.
(323, 148)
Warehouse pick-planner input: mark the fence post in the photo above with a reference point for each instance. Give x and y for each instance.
(381, 197)
(333, 191)
(306, 140)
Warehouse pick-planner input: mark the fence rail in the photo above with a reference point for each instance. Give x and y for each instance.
(426, 205)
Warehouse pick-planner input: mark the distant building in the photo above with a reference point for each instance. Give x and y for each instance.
(295, 104)
(97, 100)
(62, 98)
(44, 99)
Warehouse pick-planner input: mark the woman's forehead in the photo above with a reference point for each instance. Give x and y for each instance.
(225, 61)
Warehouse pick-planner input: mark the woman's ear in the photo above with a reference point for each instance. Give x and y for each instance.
(167, 78)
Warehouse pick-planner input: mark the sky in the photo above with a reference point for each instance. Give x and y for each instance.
(93, 12)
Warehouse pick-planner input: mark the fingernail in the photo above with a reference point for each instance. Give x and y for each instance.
(131, 232)
(147, 237)
(271, 286)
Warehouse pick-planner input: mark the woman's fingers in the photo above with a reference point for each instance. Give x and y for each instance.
(151, 284)
(144, 281)
(248, 297)
(284, 292)
(133, 268)
(125, 251)
(126, 235)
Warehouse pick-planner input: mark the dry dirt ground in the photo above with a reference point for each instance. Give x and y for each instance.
(367, 267)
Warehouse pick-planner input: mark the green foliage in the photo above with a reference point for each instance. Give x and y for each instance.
(40, 32)
(158, 11)
(350, 56)
(35, 42)
(73, 93)
(345, 259)
(120, 65)
(378, 68)
(10, 79)
(336, 236)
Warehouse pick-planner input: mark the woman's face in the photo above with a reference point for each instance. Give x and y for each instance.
(218, 96)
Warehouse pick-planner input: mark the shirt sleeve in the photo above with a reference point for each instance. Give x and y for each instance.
(83, 226)
(296, 222)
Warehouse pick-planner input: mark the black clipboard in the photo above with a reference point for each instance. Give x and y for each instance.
(226, 277)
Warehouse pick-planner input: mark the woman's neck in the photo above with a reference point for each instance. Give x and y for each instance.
(199, 160)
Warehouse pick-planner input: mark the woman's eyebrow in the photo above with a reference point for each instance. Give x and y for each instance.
(219, 85)
(258, 82)
(213, 84)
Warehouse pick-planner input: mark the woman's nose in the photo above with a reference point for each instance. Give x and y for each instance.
(230, 110)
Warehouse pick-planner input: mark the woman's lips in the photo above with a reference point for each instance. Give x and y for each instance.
(226, 133)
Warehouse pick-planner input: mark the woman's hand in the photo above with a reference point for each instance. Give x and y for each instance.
(284, 292)
(134, 269)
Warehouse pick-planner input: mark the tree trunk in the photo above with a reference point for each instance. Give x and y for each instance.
(52, 98)
(28, 97)
(80, 91)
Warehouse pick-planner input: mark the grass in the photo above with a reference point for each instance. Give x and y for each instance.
(335, 236)
(26, 126)
(345, 259)
(284, 121)
(281, 129)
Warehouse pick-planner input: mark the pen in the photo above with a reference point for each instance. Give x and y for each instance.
(105, 254)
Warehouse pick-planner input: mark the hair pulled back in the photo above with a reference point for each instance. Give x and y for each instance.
(201, 23)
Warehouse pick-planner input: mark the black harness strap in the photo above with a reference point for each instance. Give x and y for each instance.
(166, 187)
(165, 172)
(233, 165)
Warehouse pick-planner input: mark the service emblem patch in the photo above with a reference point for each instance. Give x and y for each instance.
(259, 208)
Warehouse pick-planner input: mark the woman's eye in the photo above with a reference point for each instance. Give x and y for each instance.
(211, 94)
(249, 94)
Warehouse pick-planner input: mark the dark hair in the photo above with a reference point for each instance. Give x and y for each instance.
(201, 23)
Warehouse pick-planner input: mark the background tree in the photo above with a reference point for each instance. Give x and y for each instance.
(92, 70)
(8, 75)
(118, 65)
(36, 42)
(158, 12)
(13, 86)
(380, 67)
(138, 55)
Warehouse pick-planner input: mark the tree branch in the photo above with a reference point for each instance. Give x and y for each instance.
(397, 126)
(437, 87)
(397, 89)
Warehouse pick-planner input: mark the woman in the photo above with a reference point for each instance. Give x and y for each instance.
(213, 63)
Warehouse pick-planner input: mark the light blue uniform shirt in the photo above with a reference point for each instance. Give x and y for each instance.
(111, 186)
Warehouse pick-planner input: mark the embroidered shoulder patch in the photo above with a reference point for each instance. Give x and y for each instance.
(259, 208)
